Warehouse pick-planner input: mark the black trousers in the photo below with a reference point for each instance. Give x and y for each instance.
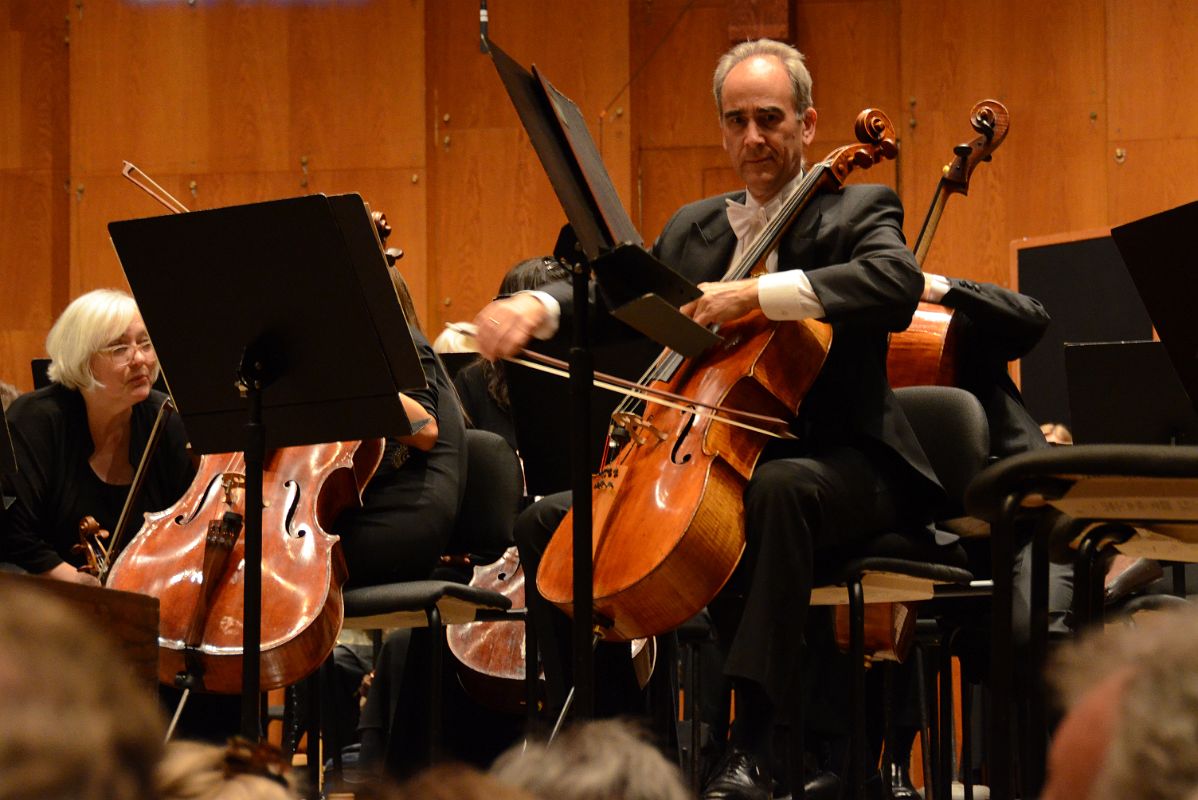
(795, 504)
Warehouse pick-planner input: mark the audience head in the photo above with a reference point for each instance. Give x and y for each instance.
(73, 721)
(91, 325)
(598, 760)
(241, 771)
(1131, 727)
(458, 782)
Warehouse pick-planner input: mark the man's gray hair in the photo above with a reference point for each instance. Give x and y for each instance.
(792, 59)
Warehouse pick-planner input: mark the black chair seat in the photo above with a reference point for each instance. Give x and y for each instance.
(454, 600)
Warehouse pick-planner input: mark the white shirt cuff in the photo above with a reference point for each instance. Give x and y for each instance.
(788, 295)
(935, 288)
(551, 323)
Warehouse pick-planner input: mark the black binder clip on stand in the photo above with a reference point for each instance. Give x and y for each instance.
(639, 290)
(236, 290)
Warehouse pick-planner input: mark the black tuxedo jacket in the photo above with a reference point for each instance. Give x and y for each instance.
(999, 326)
(851, 246)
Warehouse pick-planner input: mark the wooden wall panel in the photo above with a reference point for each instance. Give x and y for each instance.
(491, 204)
(1048, 176)
(1152, 57)
(34, 162)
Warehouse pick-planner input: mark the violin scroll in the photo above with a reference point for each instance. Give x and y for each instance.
(91, 544)
(991, 120)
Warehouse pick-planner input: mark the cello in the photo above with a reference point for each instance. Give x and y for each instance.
(682, 473)
(191, 556)
(926, 353)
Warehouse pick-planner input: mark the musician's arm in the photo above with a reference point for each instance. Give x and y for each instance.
(1011, 323)
(28, 524)
(880, 283)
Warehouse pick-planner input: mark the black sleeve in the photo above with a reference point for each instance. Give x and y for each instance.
(879, 283)
(1009, 323)
(426, 396)
(36, 442)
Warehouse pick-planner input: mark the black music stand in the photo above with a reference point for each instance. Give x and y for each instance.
(646, 295)
(1159, 256)
(1127, 393)
(279, 326)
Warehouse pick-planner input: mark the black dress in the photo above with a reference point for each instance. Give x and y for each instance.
(55, 485)
(408, 507)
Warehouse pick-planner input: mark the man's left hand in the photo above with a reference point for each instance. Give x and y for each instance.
(723, 301)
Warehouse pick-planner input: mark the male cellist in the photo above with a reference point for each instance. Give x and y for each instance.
(856, 469)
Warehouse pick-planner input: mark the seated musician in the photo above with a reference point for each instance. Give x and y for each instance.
(79, 440)
(856, 469)
(481, 384)
(408, 507)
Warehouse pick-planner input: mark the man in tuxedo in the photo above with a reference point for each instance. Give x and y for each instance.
(856, 468)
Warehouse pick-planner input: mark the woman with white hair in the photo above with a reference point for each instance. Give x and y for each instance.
(79, 440)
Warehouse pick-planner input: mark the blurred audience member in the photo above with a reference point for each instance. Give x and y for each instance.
(241, 771)
(1131, 727)
(596, 760)
(459, 782)
(74, 724)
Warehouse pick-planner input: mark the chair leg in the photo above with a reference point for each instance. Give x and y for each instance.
(944, 775)
(857, 756)
(312, 686)
(1037, 734)
(435, 700)
(1002, 658)
(925, 732)
(966, 738)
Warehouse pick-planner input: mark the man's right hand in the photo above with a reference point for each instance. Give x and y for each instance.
(505, 326)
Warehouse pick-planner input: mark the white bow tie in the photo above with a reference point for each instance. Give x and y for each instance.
(746, 222)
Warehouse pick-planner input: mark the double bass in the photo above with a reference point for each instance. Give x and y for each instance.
(668, 516)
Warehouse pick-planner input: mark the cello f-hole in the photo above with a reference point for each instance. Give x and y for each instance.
(291, 503)
(686, 429)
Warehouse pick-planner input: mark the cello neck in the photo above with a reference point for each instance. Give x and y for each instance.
(924, 243)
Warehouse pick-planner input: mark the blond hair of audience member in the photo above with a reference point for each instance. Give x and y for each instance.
(199, 771)
(73, 722)
(459, 782)
(598, 760)
(1131, 730)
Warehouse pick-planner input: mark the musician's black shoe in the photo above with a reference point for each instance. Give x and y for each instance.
(740, 776)
(901, 787)
(822, 786)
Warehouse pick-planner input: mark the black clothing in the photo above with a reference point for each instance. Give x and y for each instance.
(484, 411)
(408, 507)
(999, 326)
(858, 468)
(55, 485)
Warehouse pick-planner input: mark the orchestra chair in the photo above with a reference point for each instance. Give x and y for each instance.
(493, 492)
(1142, 499)
(904, 566)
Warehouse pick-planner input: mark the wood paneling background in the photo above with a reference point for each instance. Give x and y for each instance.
(229, 102)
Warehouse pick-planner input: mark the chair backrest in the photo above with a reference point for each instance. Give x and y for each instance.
(491, 500)
(951, 427)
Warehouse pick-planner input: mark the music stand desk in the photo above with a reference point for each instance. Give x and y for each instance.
(1106, 489)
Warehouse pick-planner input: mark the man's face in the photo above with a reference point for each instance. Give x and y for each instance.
(763, 133)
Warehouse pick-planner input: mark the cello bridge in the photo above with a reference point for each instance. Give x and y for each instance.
(636, 427)
(234, 485)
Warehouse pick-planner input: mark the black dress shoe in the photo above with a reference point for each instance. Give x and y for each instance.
(899, 780)
(739, 776)
(822, 786)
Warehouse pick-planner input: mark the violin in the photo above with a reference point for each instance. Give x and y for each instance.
(191, 556)
(681, 474)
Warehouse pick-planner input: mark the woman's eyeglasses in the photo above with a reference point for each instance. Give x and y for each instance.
(122, 354)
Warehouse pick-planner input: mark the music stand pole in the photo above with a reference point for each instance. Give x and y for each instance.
(582, 375)
(250, 376)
